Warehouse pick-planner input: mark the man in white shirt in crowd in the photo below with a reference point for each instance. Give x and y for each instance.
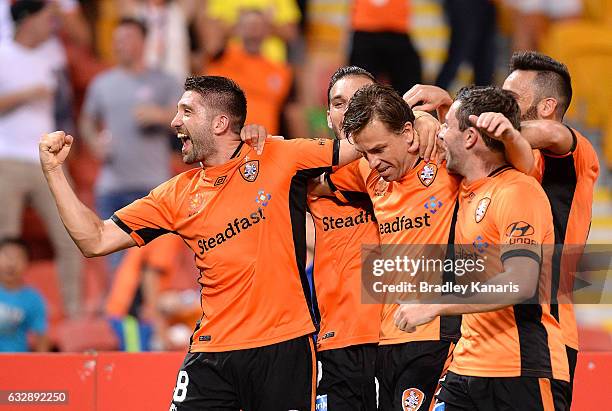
(27, 86)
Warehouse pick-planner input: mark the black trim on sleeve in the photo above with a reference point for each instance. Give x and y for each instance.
(329, 182)
(350, 196)
(336, 155)
(355, 196)
(574, 139)
(121, 224)
(520, 253)
(149, 234)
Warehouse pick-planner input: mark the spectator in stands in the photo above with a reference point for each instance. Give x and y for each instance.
(266, 83)
(381, 42)
(217, 24)
(532, 18)
(167, 43)
(473, 28)
(28, 83)
(153, 291)
(129, 106)
(22, 308)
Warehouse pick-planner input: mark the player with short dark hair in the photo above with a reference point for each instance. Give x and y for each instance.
(549, 78)
(567, 167)
(510, 351)
(422, 195)
(349, 330)
(243, 215)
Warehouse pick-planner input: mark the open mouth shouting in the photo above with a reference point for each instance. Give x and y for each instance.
(186, 140)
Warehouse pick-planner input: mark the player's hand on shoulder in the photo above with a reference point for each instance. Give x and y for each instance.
(427, 98)
(53, 149)
(495, 125)
(426, 132)
(255, 135)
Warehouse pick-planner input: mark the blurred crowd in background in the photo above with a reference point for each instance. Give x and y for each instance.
(111, 71)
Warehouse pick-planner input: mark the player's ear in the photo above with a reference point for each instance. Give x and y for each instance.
(329, 122)
(547, 107)
(221, 123)
(470, 137)
(408, 132)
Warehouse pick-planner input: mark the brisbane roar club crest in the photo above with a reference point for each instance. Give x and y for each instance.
(250, 170)
(412, 399)
(381, 187)
(428, 173)
(481, 209)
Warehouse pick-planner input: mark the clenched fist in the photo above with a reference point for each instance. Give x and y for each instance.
(495, 125)
(53, 149)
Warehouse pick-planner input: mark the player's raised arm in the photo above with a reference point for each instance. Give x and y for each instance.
(549, 135)
(93, 236)
(347, 153)
(517, 148)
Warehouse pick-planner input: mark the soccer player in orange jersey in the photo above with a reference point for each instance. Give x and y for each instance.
(243, 215)
(510, 353)
(349, 330)
(566, 165)
(422, 196)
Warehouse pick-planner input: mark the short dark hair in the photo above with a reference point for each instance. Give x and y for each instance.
(476, 100)
(222, 94)
(18, 242)
(345, 72)
(552, 80)
(127, 21)
(376, 101)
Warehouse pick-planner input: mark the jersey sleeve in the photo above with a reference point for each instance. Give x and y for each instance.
(149, 217)
(348, 183)
(523, 229)
(316, 154)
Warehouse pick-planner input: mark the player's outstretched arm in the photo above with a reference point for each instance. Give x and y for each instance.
(348, 153)
(548, 135)
(518, 150)
(521, 271)
(93, 236)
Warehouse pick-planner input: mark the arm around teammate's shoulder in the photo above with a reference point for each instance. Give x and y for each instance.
(549, 135)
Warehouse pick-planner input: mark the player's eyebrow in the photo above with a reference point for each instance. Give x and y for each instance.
(379, 146)
(184, 106)
(338, 97)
